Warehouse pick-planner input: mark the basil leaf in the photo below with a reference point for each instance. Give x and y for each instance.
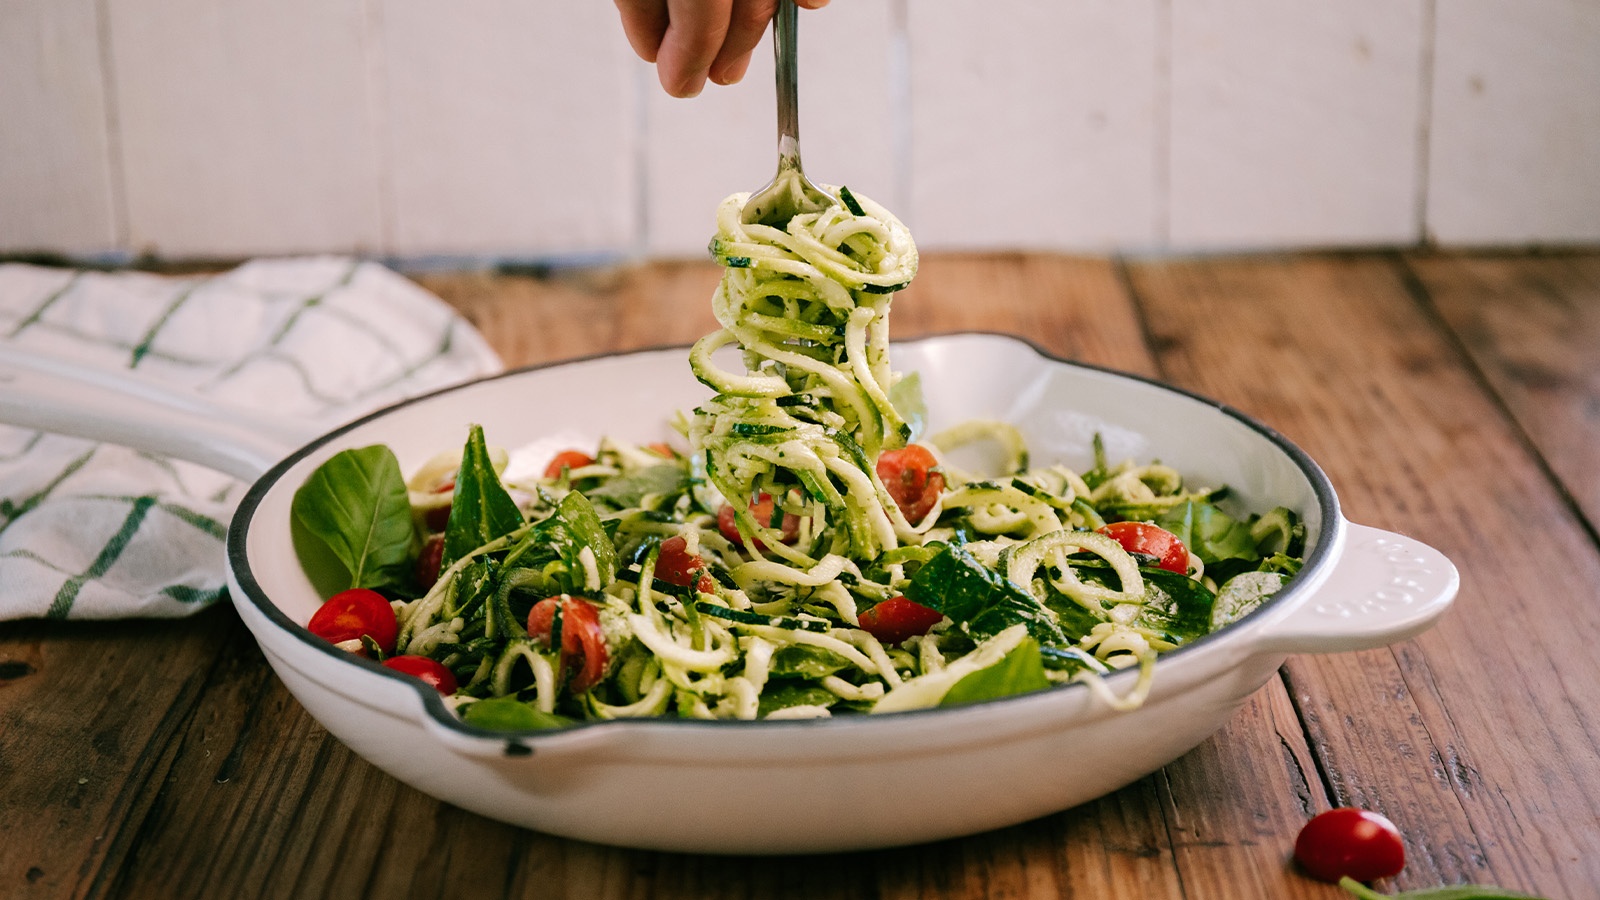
(1020, 672)
(510, 714)
(481, 509)
(980, 601)
(355, 509)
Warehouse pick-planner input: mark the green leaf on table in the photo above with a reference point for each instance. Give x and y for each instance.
(354, 511)
(1452, 892)
(1019, 672)
(481, 509)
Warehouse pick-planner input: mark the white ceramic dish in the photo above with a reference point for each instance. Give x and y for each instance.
(844, 783)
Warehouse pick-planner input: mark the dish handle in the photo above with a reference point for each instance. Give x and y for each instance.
(54, 395)
(1384, 588)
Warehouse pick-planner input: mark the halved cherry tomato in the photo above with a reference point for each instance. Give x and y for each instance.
(429, 560)
(676, 565)
(896, 619)
(761, 511)
(1151, 540)
(1353, 842)
(583, 643)
(907, 475)
(430, 671)
(348, 615)
(438, 517)
(567, 459)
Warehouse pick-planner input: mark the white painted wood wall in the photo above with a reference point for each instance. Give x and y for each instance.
(460, 130)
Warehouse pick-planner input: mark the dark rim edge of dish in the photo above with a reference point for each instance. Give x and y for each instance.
(517, 743)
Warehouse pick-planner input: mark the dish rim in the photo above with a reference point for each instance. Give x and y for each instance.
(519, 743)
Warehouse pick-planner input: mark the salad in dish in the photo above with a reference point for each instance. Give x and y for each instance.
(805, 549)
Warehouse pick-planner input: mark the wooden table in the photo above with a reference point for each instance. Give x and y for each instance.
(1455, 398)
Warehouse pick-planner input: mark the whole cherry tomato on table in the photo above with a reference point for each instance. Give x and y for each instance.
(429, 671)
(348, 615)
(907, 474)
(583, 643)
(897, 618)
(567, 459)
(1151, 540)
(1353, 842)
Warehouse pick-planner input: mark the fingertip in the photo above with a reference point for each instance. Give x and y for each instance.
(731, 72)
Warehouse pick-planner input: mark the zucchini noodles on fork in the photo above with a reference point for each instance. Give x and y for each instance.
(811, 552)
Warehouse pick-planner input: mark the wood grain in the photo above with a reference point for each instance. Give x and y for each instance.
(164, 760)
(1412, 444)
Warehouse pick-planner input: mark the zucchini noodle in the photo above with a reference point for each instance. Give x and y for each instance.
(811, 553)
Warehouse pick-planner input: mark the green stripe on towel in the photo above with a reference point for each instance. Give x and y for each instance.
(62, 604)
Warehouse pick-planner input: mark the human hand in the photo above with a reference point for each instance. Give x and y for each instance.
(691, 41)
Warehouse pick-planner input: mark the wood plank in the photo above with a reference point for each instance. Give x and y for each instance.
(1295, 124)
(1336, 353)
(511, 129)
(56, 183)
(724, 141)
(1514, 134)
(246, 128)
(89, 717)
(1035, 125)
(1532, 326)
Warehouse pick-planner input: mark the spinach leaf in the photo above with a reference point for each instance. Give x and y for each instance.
(1174, 604)
(1209, 533)
(510, 714)
(1019, 672)
(806, 661)
(793, 693)
(355, 509)
(980, 601)
(481, 509)
(630, 490)
(584, 531)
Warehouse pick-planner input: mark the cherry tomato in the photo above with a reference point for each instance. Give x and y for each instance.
(434, 673)
(1353, 842)
(896, 619)
(583, 643)
(436, 518)
(676, 565)
(429, 560)
(907, 475)
(1151, 540)
(761, 511)
(348, 615)
(567, 459)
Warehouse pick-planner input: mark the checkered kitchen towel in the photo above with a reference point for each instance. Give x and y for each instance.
(95, 531)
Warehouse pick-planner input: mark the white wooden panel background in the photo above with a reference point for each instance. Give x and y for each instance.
(432, 132)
